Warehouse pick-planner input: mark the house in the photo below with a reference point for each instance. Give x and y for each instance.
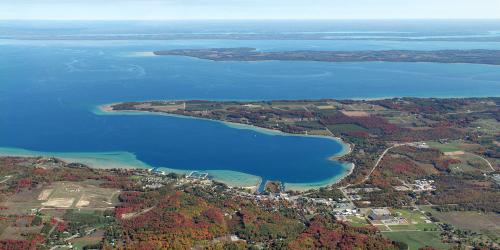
(424, 185)
(380, 214)
(496, 177)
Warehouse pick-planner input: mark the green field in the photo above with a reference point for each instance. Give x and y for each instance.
(419, 227)
(417, 239)
(416, 221)
(470, 163)
(401, 119)
(81, 243)
(446, 147)
(411, 216)
(345, 128)
(357, 222)
(487, 126)
(487, 224)
(382, 227)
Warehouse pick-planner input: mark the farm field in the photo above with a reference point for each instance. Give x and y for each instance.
(413, 227)
(446, 147)
(487, 126)
(417, 239)
(463, 152)
(485, 223)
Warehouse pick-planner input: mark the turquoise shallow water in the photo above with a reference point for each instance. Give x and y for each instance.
(49, 91)
(97, 159)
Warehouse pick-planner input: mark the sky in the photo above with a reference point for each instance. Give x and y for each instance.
(247, 9)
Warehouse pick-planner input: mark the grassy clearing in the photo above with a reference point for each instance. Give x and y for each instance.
(486, 224)
(475, 221)
(445, 147)
(487, 126)
(410, 216)
(81, 243)
(470, 163)
(22, 202)
(417, 239)
(88, 217)
(357, 221)
(3, 226)
(402, 119)
(346, 128)
(382, 227)
(414, 227)
(416, 221)
(18, 233)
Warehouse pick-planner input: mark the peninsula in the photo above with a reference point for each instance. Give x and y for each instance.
(393, 141)
(478, 56)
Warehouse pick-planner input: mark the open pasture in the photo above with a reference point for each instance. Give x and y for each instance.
(417, 239)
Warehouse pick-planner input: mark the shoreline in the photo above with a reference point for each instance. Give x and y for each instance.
(127, 160)
(348, 167)
(106, 109)
(98, 160)
(252, 54)
(303, 187)
(230, 178)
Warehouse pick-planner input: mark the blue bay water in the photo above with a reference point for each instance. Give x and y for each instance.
(49, 89)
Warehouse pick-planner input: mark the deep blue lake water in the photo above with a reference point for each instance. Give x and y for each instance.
(49, 89)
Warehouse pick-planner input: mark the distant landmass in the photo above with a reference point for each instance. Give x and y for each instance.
(477, 56)
(347, 36)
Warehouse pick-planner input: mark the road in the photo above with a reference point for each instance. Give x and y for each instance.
(484, 159)
(367, 177)
(6, 178)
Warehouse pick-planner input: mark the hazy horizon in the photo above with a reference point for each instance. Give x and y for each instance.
(164, 10)
(256, 20)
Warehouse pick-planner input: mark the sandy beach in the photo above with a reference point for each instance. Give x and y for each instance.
(103, 160)
(302, 187)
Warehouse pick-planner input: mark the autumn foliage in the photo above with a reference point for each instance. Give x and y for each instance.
(323, 233)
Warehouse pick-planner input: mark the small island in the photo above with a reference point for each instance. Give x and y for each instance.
(478, 56)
